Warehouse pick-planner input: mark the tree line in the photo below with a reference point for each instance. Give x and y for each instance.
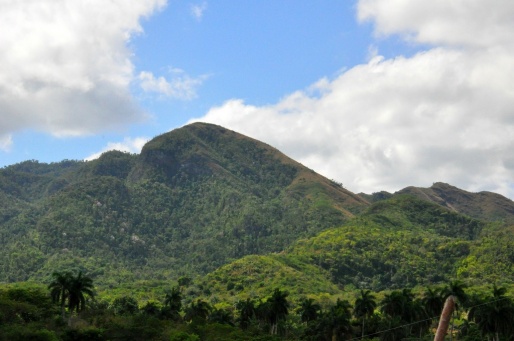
(68, 309)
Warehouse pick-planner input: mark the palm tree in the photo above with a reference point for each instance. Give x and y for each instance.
(222, 316)
(60, 288)
(456, 289)
(401, 305)
(433, 302)
(278, 309)
(495, 315)
(80, 287)
(418, 313)
(337, 321)
(393, 304)
(364, 306)
(247, 311)
(66, 288)
(309, 310)
(198, 311)
(173, 303)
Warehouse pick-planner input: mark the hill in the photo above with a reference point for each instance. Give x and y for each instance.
(206, 201)
(193, 200)
(396, 243)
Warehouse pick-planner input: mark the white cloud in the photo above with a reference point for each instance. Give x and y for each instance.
(181, 85)
(444, 114)
(5, 143)
(128, 145)
(458, 22)
(198, 10)
(65, 67)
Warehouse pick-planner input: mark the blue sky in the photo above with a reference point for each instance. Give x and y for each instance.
(377, 94)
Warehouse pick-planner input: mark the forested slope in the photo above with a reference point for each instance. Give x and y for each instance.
(201, 197)
(396, 243)
(194, 199)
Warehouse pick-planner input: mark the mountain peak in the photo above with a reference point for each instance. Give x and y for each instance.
(483, 205)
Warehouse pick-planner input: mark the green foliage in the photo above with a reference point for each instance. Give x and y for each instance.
(183, 336)
(489, 312)
(254, 276)
(252, 244)
(194, 199)
(401, 242)
(125, 305)
(85, 334)
(18, 333)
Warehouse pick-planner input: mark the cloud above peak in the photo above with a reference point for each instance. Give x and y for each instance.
(444, 114)
(65, 67)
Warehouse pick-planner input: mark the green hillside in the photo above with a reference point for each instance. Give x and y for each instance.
(224, 221)
(194, 199)
(257, 276)
(396, 243)
(201, 197)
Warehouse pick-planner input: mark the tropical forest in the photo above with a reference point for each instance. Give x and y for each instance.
(208, 234)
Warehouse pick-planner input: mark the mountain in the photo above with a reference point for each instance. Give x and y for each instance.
(483, 205)
(487, 206)
(193, 200)
(234, 213)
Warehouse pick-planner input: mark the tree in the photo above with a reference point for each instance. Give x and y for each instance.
(221, 316)
(80, 287)
(364, 306)
(184, 281)
(336, 322)
(494, 315)
(393, 304)
(278, 309)
(419, 315)
(125, 305)
(247, 312)
(309, 310)
(433, 302)
(151, 308)
(456, 289)
(173, 303)
(198, 311)
(67, 288)
(60, 289)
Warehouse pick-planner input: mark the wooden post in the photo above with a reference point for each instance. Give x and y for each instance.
(446, 316)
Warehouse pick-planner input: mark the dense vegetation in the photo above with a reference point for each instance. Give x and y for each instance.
(231, 226)
(61, 312)
(195, 199)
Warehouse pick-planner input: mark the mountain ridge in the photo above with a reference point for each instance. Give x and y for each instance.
(201, 197)
(194, 199)
(482, 205)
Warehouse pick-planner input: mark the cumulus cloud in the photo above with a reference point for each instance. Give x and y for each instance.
(458, 22)
(180, 86)
(129, 145)
(65, 67)
(444, 114)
